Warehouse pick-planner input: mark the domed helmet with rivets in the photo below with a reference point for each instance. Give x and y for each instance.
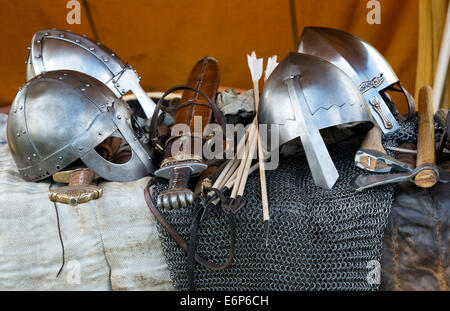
(364, 64)
(62, 116)
(303, 95)
(63, 50)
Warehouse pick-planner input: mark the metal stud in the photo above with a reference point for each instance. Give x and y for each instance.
(77, 41)
(112, 54)
(46, 34)
(83, 90)
(18, 134)
(29, 158)
(62, 36)
(23, 132)
(119, 117)
(88, 85)
(106, 60)
(38, 41)
(84, 36)
(92, 49)
(100, 133)
(98, 43)
(34, 154)
(37, 56)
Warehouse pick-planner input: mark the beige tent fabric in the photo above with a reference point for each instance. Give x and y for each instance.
(432, 17)
(110, 243)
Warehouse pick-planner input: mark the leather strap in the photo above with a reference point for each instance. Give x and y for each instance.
(180, 241)
(153, 124)
(409, 99)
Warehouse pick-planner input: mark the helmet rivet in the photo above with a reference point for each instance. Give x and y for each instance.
(98, 43)
(123, 91)
(84, 36)
(119, 117)
(117, 85)
(29, 48)
(38, 41)
(92, 49)
(106, 60)
(82, 90)
(28, 158)
(80, 148)
(21, 107)
(34, 154)
(23, 132)
(60, 78)
(60, 158)
(88, 85)
(18, 134)
(112, 54)
(37, 56)
(102, 106)
(46, 34)
(100, 133)
(77, 41)
(62, 36)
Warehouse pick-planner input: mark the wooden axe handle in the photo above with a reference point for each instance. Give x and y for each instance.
(425, 140)
(373, 140)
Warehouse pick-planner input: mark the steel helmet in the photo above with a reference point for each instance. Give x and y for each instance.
(63, 50)
(305, 94)
(61, 116)
(363, 64)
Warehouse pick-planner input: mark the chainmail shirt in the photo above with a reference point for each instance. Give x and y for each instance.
(319, 239)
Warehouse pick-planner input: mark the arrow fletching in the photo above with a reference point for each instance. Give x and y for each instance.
(256, 66)
(271, 65)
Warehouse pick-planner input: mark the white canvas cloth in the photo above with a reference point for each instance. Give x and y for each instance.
(110, 244)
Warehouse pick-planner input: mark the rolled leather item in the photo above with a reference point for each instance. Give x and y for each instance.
(205, 77)
(179, 164)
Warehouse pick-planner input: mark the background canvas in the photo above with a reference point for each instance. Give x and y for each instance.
(163, 38)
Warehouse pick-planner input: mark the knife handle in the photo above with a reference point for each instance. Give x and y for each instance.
(425, 140)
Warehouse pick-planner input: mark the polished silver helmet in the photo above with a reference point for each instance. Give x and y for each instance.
(63, 50)
(305, 94)
(61, 116)
(363, 63)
